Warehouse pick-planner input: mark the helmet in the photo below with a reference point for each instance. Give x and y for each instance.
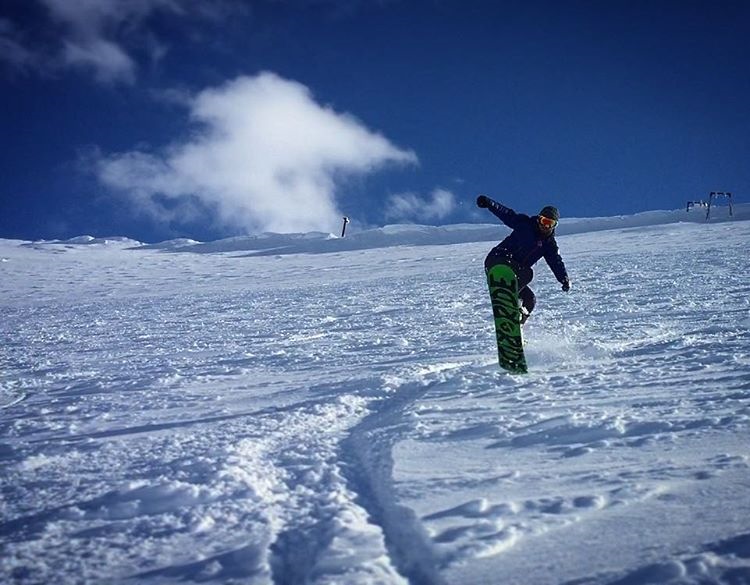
(550, 212)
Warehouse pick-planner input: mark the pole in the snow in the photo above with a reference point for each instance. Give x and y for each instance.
(343, 228)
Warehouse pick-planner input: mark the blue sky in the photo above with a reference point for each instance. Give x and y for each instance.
(158, 119)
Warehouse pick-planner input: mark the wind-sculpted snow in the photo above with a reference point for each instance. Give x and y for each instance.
(229, 417)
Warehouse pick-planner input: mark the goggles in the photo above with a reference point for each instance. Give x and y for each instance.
(547, 222)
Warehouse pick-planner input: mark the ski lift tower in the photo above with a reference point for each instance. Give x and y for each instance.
(716, 194)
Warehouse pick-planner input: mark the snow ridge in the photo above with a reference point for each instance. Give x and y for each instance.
(273, 244)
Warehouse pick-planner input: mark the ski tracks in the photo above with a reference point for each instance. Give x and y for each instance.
(314, 486)
(301, 493)
(367, 453)
(341, 521)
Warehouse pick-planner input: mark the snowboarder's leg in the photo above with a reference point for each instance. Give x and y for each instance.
(528, 302)
(526, 296)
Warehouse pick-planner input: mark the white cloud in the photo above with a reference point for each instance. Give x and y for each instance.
(91, 33)
(12, 49)
(103, 37)
(93, 19)
(264, 156)
(108, 61)
(412, 207)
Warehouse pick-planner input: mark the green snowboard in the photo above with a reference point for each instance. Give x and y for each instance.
(503, 285)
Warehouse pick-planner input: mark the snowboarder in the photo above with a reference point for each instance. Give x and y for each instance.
(531, 239)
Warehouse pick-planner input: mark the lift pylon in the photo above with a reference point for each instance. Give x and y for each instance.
(716, 194)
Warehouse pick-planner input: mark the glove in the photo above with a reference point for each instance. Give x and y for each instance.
(483, 201)
(566, 285)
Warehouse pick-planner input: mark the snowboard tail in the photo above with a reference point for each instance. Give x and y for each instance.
(503, 284)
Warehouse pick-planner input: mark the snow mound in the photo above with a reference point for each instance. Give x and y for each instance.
(110, 241)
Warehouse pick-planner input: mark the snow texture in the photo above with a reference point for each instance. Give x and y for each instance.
(309, 409)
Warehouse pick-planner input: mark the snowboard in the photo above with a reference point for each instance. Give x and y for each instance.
(503, 284)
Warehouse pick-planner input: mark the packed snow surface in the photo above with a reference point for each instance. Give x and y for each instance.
(311, 409)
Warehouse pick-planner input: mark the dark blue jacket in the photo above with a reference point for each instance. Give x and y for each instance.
(526, 244)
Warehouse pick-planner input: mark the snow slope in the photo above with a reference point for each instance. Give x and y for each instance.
(242, 412)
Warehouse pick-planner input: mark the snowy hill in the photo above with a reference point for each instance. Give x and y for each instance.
(310, 409)
(406, 235)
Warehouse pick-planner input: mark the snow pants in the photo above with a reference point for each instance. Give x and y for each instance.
(525, 275)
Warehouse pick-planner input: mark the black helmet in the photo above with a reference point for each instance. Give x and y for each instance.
(550, 212)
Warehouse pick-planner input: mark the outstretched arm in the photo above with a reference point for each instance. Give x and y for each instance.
(504, 214)
(555, 262)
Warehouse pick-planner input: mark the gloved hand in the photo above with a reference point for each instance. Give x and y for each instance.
(566, 285)
(483, 201)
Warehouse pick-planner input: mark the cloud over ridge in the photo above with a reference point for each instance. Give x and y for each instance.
(265, 156)
(410, 206)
